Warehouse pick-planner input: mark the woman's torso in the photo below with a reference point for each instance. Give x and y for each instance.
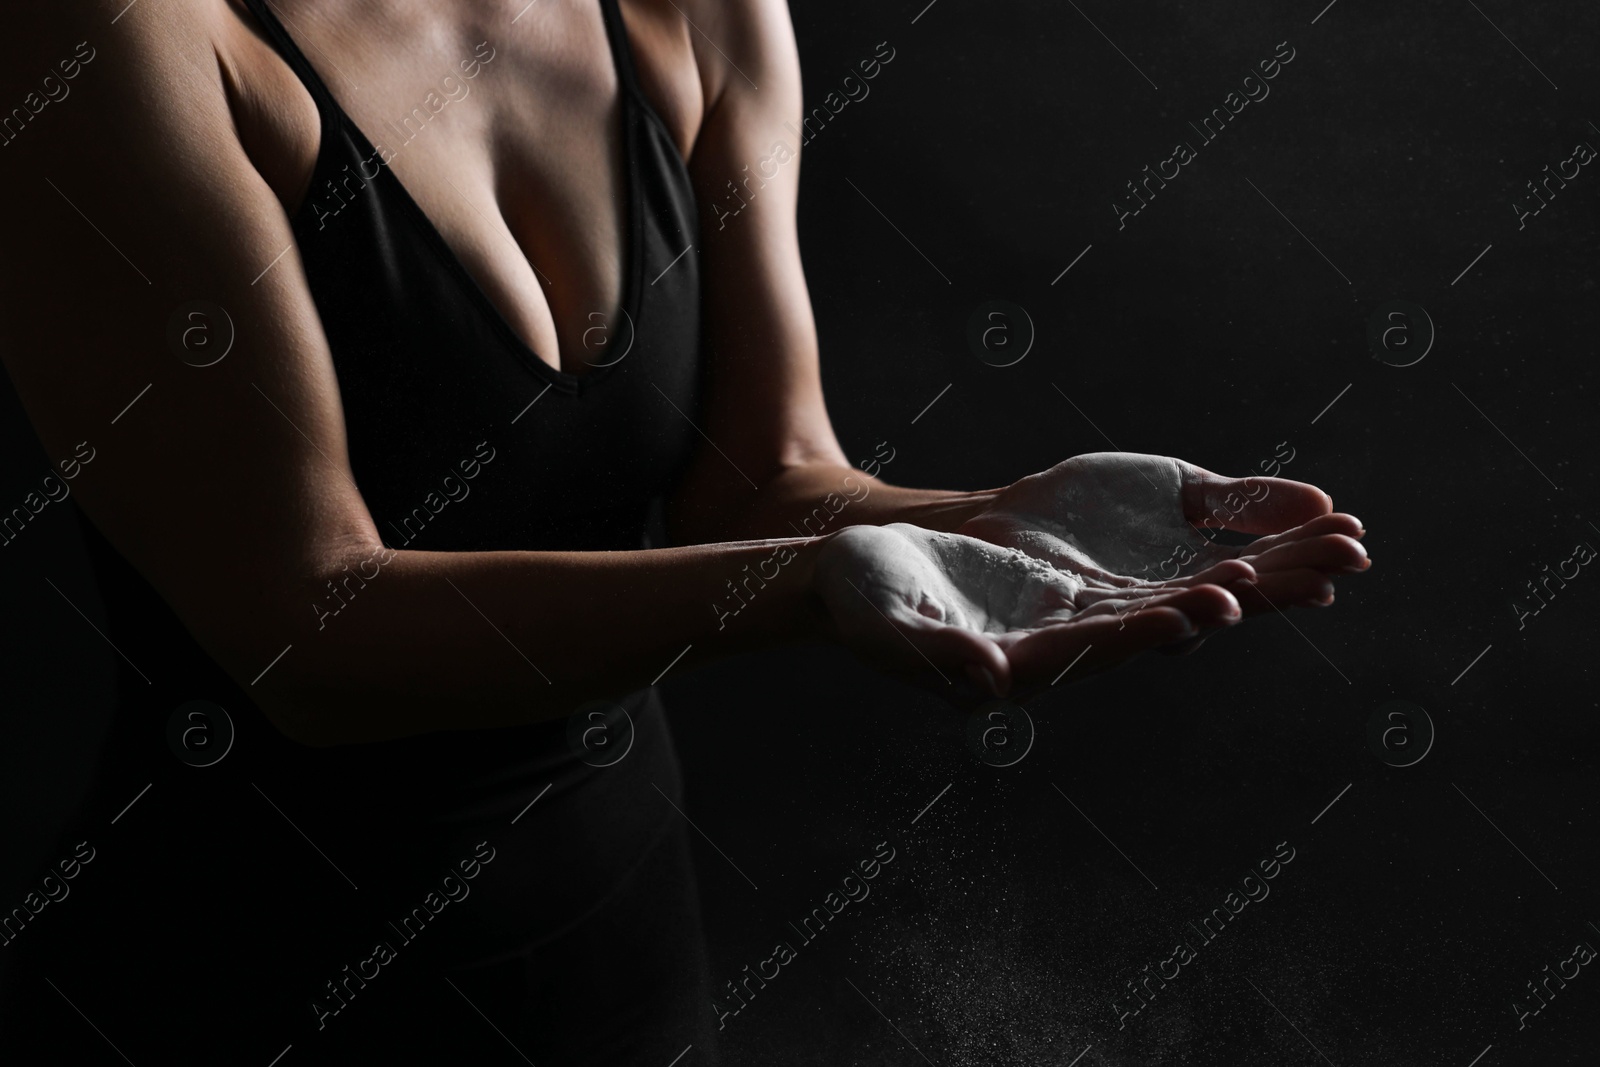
(461, 434)
(479, 209)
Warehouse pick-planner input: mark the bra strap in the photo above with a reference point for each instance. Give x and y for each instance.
(621, 53)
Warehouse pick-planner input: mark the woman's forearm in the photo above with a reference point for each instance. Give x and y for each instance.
(399, 642)
(386, 643)
(813, 499)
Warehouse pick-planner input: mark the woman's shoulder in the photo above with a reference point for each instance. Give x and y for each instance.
(728, 38)
(106, 55)
(132, 27)
(99, 71)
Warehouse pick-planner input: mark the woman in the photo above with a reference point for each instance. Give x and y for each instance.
(406, 338)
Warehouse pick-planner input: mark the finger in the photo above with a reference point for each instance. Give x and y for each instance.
(1224, 572)
(1082, 647)
(1272, 591)
(896, 638)
(1285, 589)
(1205, 605)
(1330, 553)
(1249, 505)
(958, 655)
(1338, 523)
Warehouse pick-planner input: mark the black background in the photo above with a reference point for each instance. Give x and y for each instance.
(995, 142)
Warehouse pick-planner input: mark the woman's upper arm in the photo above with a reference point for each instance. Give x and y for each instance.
(764, 406)
(129, 198)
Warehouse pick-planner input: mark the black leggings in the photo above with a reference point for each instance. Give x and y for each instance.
(231, 912)
(628, 984)
(625, 985)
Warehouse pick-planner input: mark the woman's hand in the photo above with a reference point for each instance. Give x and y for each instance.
(908, 599)
(1136, 520)
(1083, 566)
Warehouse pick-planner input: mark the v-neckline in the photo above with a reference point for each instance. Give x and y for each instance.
(335, 120)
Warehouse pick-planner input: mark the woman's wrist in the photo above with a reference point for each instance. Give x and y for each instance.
(823, 498)
(945, 510)
(771, 598)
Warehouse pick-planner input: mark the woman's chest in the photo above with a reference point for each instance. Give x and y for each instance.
(502, 121)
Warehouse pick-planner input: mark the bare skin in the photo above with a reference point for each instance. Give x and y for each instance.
(1085, 564)
(169, 175)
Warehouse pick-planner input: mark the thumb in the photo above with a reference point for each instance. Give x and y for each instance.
(1250, 505)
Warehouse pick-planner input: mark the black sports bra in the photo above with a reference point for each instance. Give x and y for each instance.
(436, 384)
(460, 439)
